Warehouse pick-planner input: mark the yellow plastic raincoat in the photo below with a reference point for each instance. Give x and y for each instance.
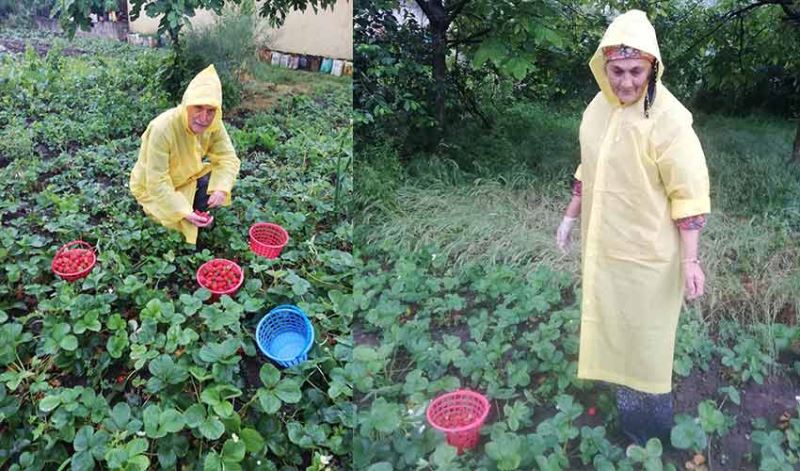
(164, 179)
(639, 174)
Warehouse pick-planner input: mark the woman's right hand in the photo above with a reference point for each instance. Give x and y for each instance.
(199, 220)
(562, 234)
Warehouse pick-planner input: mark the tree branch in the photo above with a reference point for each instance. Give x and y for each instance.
(471, 39)
(455, 10)
(729, 16)
(425, 6)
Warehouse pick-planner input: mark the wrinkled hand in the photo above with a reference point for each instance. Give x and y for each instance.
(199, 220)
(694, 280)
(216, 199)
(562, 234)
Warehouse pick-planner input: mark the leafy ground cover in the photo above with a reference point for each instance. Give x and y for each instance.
(134, 367)
(460, 285)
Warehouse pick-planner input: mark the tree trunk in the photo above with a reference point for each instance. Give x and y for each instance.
(439, 23)
(439, 43)
(796, 149)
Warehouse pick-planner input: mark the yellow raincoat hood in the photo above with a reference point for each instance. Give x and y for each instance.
(639, 175)
(204, 89)
(631, 29)
(171, 158)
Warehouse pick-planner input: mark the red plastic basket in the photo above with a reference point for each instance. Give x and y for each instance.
(80, 247)
(267, 239)
(216, 293)
(460, 415)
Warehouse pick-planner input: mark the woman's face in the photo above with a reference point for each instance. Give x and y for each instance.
(200, 117)
(628, 78)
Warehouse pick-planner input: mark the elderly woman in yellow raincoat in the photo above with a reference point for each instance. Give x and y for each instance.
(170, 179)
(641, 192)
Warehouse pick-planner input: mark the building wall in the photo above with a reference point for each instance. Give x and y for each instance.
(328, 33)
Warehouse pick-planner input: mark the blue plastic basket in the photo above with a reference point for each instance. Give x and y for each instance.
(285, 335)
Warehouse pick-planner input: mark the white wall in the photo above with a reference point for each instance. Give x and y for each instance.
(328, 33)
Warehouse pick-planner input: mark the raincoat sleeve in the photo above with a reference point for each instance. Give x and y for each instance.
(682, 167)
(224, 164)
(168, 205)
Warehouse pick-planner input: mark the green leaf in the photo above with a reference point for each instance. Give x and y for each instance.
(194, 415)
(217, 319)
(268, 401)
(517, 67)
(212, 428)
(151, 417)
(49, 403)
(654, 447)
(69, 343)
(233, 451)
(384, 416)
(82, 438)
(444, 455)
(116, 458)
(136, 446)
(288, 390)
(252, 440)
(490, 49)
(171, 421)
(269, 375)
(116, 344)
(506, 450)
(121, 414)
(688, 434)
(139, 463)
(339, 388)
(732, 393)
(636, 453)
(164, 368)
(299, 285)
(212, 462)
(382, 466)
(82, 461)
(214, 352)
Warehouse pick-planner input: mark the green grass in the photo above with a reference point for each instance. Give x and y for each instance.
(281, 76)
(504, 208)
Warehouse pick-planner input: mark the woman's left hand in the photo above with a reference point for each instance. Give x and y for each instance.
(694, 280)
(216, 199)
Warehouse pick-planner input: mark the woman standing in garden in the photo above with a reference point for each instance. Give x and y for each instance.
(641, 192)
(170, 180)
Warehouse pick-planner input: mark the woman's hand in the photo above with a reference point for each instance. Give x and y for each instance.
(562, 234)
(694, 279)
(199, 220)
(216, 199)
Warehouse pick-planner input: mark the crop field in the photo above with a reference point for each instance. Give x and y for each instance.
(461, 286)
(135, 367)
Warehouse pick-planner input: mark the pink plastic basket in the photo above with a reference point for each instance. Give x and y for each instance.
(216, 293)
(267, 239)
(460, 415)
(80, 247)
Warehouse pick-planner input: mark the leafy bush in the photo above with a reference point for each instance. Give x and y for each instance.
(230, 43)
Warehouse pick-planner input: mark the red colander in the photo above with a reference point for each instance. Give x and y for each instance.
(460, 415)
(75, 250)
(216, 271)
(267, 239)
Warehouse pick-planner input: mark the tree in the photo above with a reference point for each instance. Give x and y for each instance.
(506, 34)
(175, 13)
(765, 54)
